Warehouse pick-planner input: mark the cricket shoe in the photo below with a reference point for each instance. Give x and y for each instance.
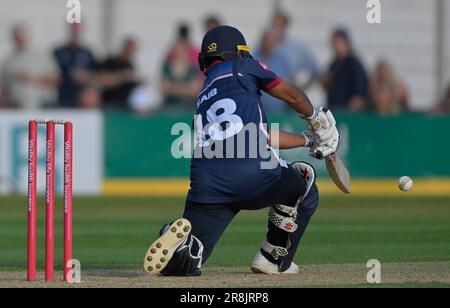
(162, 250)
(261, 265)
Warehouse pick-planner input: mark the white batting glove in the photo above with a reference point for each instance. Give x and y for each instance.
(310, 139)
(323, 151)
(326, 136)
(322, 124)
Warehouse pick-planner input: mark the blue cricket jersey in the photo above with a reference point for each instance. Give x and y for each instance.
(228, 104)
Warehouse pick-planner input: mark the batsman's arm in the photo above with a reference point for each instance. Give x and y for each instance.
(296, 98)
(283, 140)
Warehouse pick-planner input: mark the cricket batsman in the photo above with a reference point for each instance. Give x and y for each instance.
(229, 117)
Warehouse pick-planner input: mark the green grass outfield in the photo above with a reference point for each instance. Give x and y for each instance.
(113, 233)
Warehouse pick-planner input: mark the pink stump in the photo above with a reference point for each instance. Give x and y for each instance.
(50, 202)
(32, 199)
(68, 159)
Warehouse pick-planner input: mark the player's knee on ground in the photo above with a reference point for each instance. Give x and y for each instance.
(208, 224)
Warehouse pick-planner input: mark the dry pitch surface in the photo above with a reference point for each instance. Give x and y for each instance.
(330, 275)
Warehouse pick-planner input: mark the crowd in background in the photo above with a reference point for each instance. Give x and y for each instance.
(73, 77)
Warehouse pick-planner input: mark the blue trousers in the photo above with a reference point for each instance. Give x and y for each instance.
(209, 221)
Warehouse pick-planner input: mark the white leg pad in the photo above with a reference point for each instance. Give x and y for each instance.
(284, 223)
(288, 210)
(308, 173)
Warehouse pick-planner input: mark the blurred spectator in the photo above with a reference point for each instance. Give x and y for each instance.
(181, 81)
(389, 95)
(28, 77)
(89, 97)
(287, 57)
(76, 64)
(299, 57)
(117, 76)
(210, 22)
(346, 81)
(268, 53)
(184, 37)
(444, 104)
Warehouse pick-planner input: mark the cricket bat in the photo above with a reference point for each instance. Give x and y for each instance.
(338, 173)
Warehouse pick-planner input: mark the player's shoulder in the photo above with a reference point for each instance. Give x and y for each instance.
(248, 62)
(251, 65)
